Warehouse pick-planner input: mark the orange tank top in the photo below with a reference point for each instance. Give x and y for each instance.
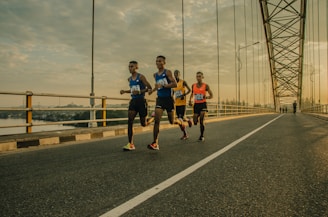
(199, 93)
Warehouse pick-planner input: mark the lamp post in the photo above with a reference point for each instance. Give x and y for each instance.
(183, 42)
(312, 85)
(240, 65)
(92, 94)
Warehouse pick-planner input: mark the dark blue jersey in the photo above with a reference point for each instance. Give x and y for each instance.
(163, 79)
(136, 85)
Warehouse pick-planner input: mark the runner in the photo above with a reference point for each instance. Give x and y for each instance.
(180, 94)
(138, 104)
(199, 90)
(164, 84)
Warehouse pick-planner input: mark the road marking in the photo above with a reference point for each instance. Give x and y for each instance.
(130, 204)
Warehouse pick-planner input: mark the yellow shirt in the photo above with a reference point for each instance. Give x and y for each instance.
(178, 92)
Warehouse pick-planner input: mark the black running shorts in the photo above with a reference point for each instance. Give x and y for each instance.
(200, 107)
(166, 103)
(180, 111)
(139, 105)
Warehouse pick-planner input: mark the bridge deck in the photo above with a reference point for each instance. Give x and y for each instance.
(269, 165)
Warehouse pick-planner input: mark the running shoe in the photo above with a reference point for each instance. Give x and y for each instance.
(129, 147)
(153, 146)
(184, 137)
(201, 139)
(149, 120)
(189, 123)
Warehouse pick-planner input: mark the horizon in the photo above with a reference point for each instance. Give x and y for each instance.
(45, 47)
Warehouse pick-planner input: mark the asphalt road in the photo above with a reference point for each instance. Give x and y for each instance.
(279, 170)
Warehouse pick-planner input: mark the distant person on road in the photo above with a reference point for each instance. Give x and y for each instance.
(294, 107)
(138, 104)
(164, 82)
(199, 90)
(180, 102)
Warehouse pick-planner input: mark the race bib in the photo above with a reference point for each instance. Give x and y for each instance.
(135, 88)
(178, 94)
(162, 81)
(199, 97)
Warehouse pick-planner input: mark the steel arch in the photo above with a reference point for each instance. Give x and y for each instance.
(284, 23)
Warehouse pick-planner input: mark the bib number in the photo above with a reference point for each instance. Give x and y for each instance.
(178, 94)
(199, 97)
(135, 88)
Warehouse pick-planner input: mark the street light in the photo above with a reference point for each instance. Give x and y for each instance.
(92, 94)
(312, 85)
(240, 65)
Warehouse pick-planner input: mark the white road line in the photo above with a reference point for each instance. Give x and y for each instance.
(130, 204)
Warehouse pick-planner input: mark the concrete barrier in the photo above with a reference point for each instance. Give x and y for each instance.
(14, 142)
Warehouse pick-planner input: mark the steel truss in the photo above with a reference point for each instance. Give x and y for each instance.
(284, 22)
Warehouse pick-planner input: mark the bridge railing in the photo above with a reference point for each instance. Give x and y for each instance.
(214, 109)
(317, 109)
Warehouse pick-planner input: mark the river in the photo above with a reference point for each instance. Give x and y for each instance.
(19, 130)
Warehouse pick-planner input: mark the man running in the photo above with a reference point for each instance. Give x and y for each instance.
(164, 101)
(138, 104)
(180, 94)
(199, 90)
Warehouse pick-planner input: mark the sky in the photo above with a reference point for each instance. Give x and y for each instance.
(46, 46)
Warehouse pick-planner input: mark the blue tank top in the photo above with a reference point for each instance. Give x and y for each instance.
(162, 79)
(136, 85)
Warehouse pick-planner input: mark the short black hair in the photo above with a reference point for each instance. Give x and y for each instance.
(161, 56)
(133, 62)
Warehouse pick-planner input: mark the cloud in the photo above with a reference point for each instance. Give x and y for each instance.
(50, 42)
(46, 46)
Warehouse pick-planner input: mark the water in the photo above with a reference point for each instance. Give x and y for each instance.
(20, 130)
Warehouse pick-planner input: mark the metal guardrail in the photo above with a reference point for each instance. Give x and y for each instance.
(215, 109)
(318, 109)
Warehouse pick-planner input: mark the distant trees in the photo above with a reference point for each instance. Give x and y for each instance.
(69, 115)
(109, 115)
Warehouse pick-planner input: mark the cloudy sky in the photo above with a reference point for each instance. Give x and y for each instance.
(45, 46)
